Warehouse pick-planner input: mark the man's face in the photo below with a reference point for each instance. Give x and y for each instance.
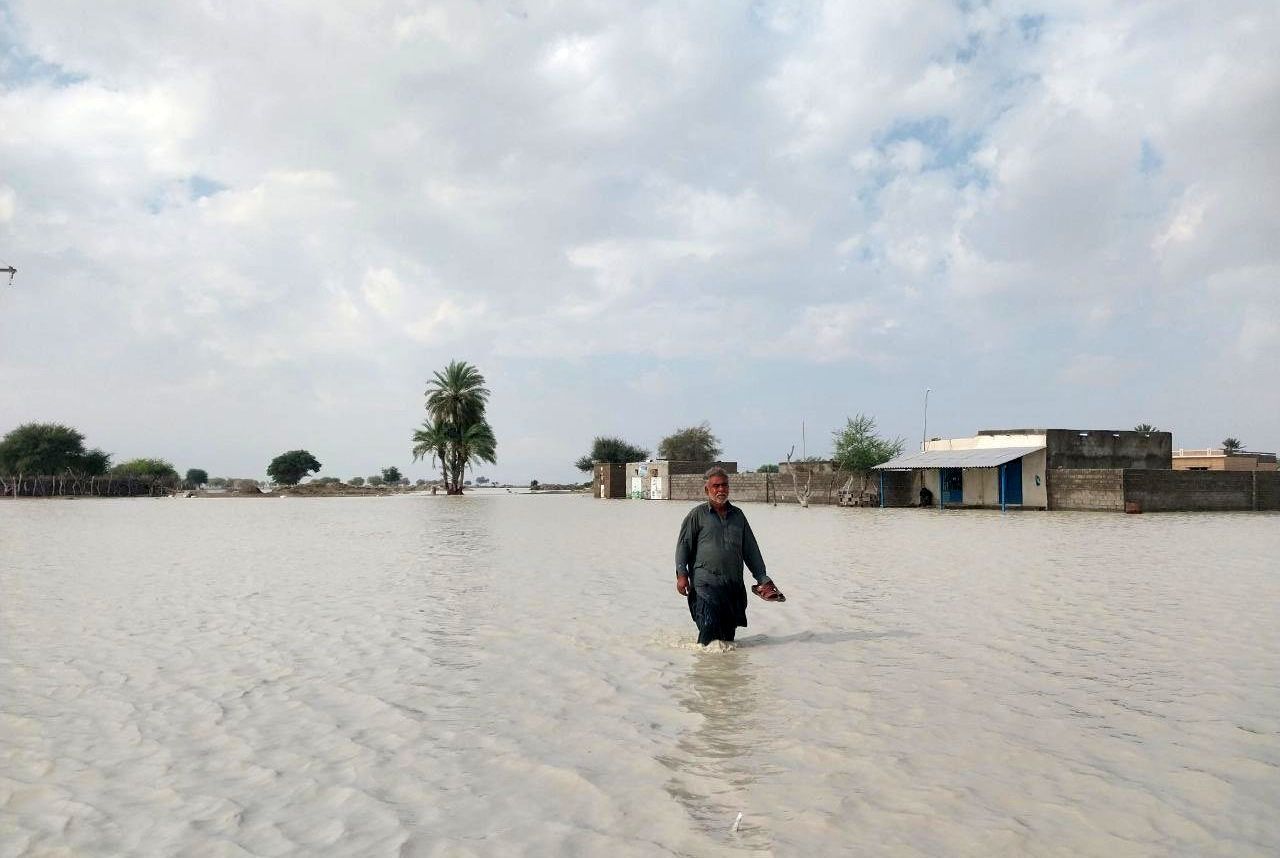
(718, 490)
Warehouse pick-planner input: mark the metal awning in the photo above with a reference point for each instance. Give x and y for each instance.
(985, 457)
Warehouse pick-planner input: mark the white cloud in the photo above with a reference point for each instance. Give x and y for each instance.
(272, 195)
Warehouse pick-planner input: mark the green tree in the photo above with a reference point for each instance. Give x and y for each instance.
(534, 485)
(482, 481)
(1145, 427)
(767, 469)
(858, 448)
(49, 449)
(608, 449)
(197, 477)
(432, 440)
(155, 469)
(691, 444)
(475, 445)
(1231, 446)
(456, 433)
(288, 468)
(356, 481)
(376, 480)
(391, 475)
(218, 482)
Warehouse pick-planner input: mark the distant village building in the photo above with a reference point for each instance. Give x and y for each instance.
(1014, 467)
(610, 479)
(1221, 460)
(652, 480)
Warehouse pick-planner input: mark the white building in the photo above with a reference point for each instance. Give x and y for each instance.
(991, 469)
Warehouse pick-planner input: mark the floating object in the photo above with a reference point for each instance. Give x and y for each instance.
(736, 823)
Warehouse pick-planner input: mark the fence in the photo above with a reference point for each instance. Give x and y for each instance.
(73, 486)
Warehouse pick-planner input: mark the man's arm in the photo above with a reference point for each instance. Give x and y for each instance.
(751, 554)
(685, 550)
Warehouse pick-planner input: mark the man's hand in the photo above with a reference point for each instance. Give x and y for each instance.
(682, 585)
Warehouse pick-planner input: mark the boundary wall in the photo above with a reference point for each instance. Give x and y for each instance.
(779, 488)
(1085, 488)
(761, 488)
(1111, 489)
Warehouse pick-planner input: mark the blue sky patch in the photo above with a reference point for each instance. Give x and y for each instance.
(19, 67)
(1149, 160)
(203, 186)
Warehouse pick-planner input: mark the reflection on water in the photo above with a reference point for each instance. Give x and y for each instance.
(513, 674)
(713, 764)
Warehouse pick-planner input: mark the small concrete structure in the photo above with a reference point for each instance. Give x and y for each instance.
(610, 479)
(1221, 460)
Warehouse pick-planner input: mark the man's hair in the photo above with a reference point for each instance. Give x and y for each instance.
(717, 471)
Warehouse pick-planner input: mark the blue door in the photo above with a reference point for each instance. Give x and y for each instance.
(952, 485)
(1011, 482)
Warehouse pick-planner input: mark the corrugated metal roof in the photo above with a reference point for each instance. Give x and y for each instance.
(983, 457)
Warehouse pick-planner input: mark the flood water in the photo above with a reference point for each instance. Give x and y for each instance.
(507, 674)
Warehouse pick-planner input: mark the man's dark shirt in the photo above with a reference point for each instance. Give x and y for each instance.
(710, 545)
(712, 551)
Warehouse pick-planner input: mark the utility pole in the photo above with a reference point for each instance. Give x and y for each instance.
(12, 271)
(924, 430)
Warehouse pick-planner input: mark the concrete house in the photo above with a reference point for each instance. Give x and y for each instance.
(1015, 467)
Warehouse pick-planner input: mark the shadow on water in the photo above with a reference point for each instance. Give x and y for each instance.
(714, 766)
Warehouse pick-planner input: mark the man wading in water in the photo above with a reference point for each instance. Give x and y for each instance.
(715, 540)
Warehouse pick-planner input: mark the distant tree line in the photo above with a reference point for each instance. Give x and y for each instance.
(51, 459)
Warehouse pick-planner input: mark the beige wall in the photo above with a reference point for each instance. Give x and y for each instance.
(982, 485)
(986, 442)
(1218, 461)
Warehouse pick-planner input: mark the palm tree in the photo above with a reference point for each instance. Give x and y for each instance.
(1231, 446)
(1145, 427)
(476, 444)
(456, 432)
(433, 440)
(458, 394)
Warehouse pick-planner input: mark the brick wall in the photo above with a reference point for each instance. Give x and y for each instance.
(761, 488)
(1267, 489)
(1167, 491)
(1086, 488)
(1104, 489)
(778, 488)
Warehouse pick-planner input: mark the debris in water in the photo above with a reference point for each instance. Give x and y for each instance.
(736, 823)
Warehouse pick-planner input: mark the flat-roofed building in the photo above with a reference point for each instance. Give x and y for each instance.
(1014, 467)
(1220, 460)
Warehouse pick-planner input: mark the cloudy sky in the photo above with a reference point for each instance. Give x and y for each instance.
(242, 227)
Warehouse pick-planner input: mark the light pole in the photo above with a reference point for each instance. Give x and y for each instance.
(924, 431)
